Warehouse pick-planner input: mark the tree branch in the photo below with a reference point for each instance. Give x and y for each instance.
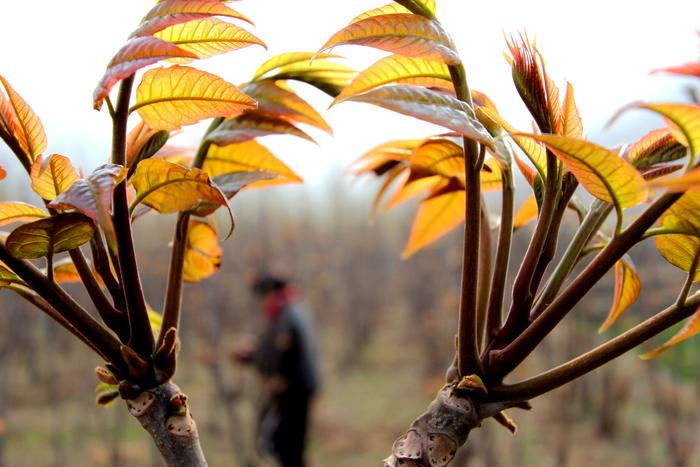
(597, 357)
(484, 278)
(505, 360)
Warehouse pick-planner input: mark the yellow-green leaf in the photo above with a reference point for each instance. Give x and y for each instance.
(680, 249)
(51, 235)
(409, 35)
(283, 60)
(602, 172)
(277, 98)
(376, 158)
(410, 189)
(691, 328)
(392, 8)
(424, 104)
(52, 176)
(253, 125)
(21, 123)
(395, 68)
(169, 98)
(684, 123)
(168, 187)
(627, 287)
(314, 69)
(203, 253)
(208, 36)
(420, 7)
(248, 156)
(169, 12)
(16, 211)
(526, 213)
(136, 54)
(655, 147)
(436, 217)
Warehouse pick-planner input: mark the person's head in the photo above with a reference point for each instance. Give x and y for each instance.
(268, 283)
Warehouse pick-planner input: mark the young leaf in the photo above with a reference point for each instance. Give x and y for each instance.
(691, 328)
(411, 189)
(277, 98)
(148, 144)
(571, 124)
(203, 253)
(253, 125)
(656, 147)
(410, 35)
(136, 139)
(687, 69)
(136, 54)
(392, 69)
(627, 287)
(248, 156)
(208, 36)
(170, 12)
(21, 123)
(684, 123)
(376, 158)
(526, 213)
(52, 235)
(284, 60)
(603, 173)
(52, 176)
(438, 157)
(15, 211)
(168, 187)
(433, 107)
(168, 98)
(436, 217)
(93, 197)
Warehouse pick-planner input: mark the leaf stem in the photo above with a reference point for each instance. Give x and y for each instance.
(483, 287)
(500, 272)
(692, 272)
(468, 361)
(173, 292)
(141, 334)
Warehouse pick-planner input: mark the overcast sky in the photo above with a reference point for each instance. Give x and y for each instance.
(54, 53)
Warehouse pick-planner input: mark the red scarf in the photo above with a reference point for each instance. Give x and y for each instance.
(274, 302)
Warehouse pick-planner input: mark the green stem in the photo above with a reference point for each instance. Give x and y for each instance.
(500, 272)
(583, 364)
(504, 361)
(689, 280)
(468, 361)
(141, 339)
(173, 291)
(596, 215)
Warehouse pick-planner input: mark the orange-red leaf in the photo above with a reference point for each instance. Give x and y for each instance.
(253, 125)
(409, 35)
(248, 156)
(684, 122)
(571, 124)
(21, 123)
(136, 54)
(15, 211)
(170, 12)
(391, 8)
(691, 328)
(208, 36)
(526, 213)
(277, 98)
(436, 217)
(688, 181)
(627, 287)
(52, 176)
(168, 187)
(655, 147)
(136, 139)
(687, 69)
(168, 98)
(390, 152)
(203, 253)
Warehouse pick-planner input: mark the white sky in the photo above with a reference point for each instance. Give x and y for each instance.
(54, 53)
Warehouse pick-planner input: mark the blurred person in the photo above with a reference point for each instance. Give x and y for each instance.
(285, 355)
